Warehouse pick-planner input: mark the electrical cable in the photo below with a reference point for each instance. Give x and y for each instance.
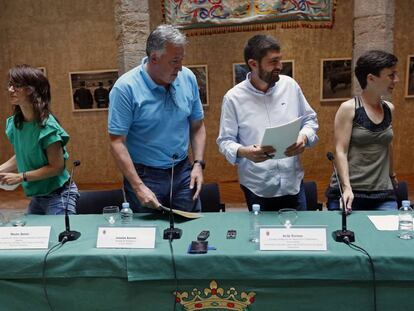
(360, 249)
(44, 270)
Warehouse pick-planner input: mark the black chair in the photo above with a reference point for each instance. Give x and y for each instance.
(210, 198)
(311, 192)
(93, 201)
(401, 192)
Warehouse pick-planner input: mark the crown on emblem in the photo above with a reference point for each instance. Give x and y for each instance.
(215, 297)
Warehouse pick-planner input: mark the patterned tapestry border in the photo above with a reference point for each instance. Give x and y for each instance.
(201, 17)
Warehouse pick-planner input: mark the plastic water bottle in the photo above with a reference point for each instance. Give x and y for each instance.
(126, 214)
(254, 223)
(405, 221)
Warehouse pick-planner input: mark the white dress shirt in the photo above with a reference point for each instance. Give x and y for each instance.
(246, 113)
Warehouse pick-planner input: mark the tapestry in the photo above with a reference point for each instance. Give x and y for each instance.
(215, 16)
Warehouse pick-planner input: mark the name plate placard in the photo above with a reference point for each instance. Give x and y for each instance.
(24, 237)
(293, 239)
(130, 237)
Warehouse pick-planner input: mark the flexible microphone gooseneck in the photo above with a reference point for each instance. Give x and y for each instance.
(69, 235)
(172, 233)
(343, 235)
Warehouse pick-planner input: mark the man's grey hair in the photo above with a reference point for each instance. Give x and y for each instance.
(162, 35)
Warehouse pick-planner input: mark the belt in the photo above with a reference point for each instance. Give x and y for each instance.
(177, 164)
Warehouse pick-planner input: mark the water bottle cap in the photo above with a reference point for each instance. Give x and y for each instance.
(125, 204)
(405, 202)
(256, 207)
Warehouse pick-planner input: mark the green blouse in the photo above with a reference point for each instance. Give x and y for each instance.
(30, 144)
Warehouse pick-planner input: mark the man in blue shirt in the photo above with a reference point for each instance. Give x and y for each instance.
(155, 112)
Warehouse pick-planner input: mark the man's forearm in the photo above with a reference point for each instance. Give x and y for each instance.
(125, 164)
(198, 142)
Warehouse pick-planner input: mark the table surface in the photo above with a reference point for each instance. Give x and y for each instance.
(236, 258)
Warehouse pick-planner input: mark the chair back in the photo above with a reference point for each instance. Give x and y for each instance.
(311, 192)
(93, 201)
(401, 192)
(210, 198)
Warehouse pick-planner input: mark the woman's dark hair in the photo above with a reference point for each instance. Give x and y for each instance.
(372, 62)
(258, 46)
(35, 80)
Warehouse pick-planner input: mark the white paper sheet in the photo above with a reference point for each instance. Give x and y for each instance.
(9, 187)
(385, 222)
(282, 136)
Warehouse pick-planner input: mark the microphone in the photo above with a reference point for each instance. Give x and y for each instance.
(343, 235)
(172, 233)
(69, 235)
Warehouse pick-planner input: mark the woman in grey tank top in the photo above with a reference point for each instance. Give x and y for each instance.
(363, 139)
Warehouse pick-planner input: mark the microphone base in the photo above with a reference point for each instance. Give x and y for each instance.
(70, 235)
(173, 234)
(343, 236)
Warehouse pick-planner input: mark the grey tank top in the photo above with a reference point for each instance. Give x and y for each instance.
(368, 155)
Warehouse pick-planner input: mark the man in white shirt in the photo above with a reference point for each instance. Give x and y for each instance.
(266, 99)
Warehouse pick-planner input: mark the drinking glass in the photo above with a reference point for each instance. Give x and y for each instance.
(287, 217)
(111, 214)
(3, 219)
(17, 218)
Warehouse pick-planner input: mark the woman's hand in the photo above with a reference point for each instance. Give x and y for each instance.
(11, 178)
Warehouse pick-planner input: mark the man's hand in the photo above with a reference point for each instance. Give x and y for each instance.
(256, 153)
(10, 178)
(297, 147)
(196, 179)
(147, 198)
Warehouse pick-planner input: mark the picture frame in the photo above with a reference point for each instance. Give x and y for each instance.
(240, 70)
(201, 73)
(336, 79)
(409, 84)
(90, 89)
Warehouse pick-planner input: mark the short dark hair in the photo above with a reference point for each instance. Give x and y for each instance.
(258, 46)
(36, 81)
(372, 62)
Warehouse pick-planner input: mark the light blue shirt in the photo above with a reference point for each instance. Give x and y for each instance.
(246, 113)
(154, 119)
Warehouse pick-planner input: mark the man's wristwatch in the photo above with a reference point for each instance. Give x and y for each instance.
(201, 162)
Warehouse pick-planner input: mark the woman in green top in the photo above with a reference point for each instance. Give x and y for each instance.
(39, 145)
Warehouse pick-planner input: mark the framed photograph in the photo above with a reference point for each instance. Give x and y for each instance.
(409, 87)
(43, 70)
(336, 76)
(201, 73)
(240, 70)
(90, 89)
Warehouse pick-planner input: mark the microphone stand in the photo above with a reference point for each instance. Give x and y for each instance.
(172, 233)
(343, 235)
(69, 235)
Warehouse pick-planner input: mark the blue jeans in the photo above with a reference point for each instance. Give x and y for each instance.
(296, 201)
(359, 204)
(56, 202)
(159, 181)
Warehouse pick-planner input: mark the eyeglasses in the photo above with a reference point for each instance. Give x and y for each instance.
(14, 87)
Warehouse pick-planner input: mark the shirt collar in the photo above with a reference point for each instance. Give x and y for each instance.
(251, 87)
(148, 80)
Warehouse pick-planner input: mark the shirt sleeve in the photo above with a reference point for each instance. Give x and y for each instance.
(309, 120)
(197, 112)
(227, 139)
(120, 111)
(51, 133)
